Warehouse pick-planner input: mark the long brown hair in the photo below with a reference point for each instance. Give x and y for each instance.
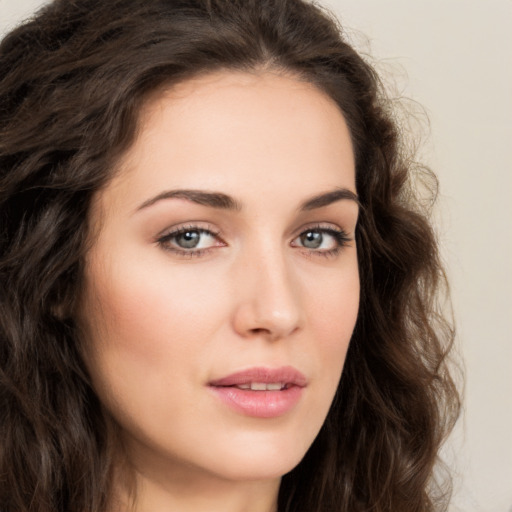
(72, 82)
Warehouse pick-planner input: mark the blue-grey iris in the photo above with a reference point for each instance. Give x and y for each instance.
(311, 239)
(188, 239)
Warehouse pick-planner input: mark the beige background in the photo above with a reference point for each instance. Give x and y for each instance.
(454, 57)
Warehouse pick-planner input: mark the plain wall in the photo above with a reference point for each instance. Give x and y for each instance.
(454, 57)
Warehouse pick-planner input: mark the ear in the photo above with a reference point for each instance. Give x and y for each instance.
(59, 311)
(60, 305)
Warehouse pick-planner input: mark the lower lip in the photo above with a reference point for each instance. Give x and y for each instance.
(259, 404)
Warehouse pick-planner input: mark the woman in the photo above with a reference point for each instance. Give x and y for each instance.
(220, 292)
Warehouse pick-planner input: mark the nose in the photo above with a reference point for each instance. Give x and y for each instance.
(267, 298)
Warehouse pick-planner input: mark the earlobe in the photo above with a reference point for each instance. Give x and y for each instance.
(60, 312)
(61, 308)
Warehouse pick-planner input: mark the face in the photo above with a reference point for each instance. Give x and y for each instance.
(222, 287)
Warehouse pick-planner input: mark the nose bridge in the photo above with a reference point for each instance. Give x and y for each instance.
(268, 302)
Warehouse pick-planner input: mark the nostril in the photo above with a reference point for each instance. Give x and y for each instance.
(260, 330)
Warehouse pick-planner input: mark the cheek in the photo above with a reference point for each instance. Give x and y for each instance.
(146, 303)
(142, 322)
(332, 317)
(333, 301)
(149, 332)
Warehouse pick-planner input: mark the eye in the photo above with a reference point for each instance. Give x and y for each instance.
(189, 240)
(313, 239)
(327, 241)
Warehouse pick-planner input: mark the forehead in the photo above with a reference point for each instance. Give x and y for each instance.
(238, 132)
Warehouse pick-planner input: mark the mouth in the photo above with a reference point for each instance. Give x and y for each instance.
(262, 386)
(263, 379)
(261, 392)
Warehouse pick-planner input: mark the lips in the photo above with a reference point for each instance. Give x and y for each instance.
(261, 392)
(286, 375)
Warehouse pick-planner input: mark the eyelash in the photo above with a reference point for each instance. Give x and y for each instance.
(339, 235)
(164, 241)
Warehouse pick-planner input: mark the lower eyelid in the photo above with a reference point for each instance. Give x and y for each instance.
(187, 254)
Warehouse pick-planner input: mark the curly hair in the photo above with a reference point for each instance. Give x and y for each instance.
(73, 80)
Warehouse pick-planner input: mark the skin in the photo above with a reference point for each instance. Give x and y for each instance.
(161, 322)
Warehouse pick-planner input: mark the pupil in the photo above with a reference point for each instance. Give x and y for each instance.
(312, 239)
(188, 240)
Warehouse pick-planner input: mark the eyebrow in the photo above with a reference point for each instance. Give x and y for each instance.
(202, 197)
(327, 198)
(225, 202)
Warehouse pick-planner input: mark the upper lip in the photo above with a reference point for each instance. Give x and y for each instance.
(285, 374)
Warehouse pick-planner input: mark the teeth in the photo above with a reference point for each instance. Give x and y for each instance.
(262, 386)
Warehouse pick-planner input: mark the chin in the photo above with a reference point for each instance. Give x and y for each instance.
(259, 461)
(257, 470)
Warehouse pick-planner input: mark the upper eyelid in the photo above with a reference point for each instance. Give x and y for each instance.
(321, 226)
(341, 234)
(179, 228)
